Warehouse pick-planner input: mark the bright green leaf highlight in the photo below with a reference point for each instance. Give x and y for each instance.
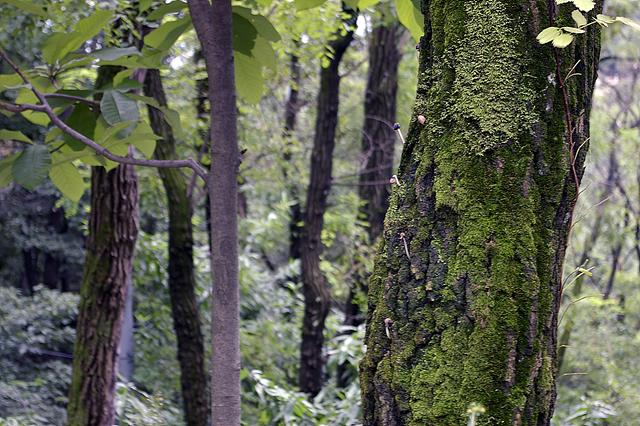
(411, 17)
(68, 180)
(163, 37)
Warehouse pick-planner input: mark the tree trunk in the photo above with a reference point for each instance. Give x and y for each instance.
(213, 26)
(182, 284)
(290, 120)
(317, 295)
(113, 229)
(378, 143)
(464, 298)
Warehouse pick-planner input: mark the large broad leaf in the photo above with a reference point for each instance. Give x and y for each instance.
(143, 139)
(264, 53)
(6, 164)
(59, 45)
(32, 166)
(116, 107)
(112, 53)
(10, 81)
(261, 24)
(171, 7)
(411, 17)
(244, 35)
(82, 119)
(163, 37)
(14, 136)
(248, 73)
(68, 180)
(579, 18)
(28, 7)
(308, 4)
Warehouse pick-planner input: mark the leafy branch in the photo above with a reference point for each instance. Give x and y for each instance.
(46, 108)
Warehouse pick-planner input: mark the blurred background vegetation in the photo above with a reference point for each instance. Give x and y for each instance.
(42, 237)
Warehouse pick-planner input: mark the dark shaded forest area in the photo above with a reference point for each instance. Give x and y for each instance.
(312, 212)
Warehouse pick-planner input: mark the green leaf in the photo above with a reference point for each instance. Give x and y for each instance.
(113, 53)
(165, 9)
(6, 165)
(605, 19)
(173, 119)
(563, 40)
(244, 35)
(261, 24)
(548, 34)
(264, 53)
(364, 4)
(573, 30)
(249, 82)
(105, 134)
(144, 99)
(59, 45)
(66, 177)
(163, 37)
(584, 5)
(10, 81)
(308, 4)
(118, 78)
(82, 119)
(28, 7)
(31, 166)
(13, 135)
(630, 22)
(411, 17)
(116, 107)
(579, 18)
(143, 139)
(144, 5)
(353, 4)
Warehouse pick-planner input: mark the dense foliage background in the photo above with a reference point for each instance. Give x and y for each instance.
(41, 249)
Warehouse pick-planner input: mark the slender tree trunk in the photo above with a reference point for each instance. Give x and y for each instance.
(213, 26)
(113, 229)
(182, 284)
(464, 298)
(290, 120)
(317, 295)
(378, 143)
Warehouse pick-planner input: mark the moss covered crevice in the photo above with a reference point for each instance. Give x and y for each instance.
(469, 315)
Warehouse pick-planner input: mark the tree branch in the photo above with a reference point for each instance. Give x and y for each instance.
(99, 149)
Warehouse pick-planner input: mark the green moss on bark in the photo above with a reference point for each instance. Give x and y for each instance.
(469, 316)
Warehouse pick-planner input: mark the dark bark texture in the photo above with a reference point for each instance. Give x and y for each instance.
(317, 294)
(182, 283)
(464, 298)
(113, 229)
(213, 24)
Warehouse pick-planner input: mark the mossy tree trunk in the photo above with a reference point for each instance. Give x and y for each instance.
(182, 283)
(113, 230)
(464, 298)
(317, 294)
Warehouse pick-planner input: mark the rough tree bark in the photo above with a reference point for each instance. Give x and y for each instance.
(213, 25)
(113, 230)
(182, 284)
(377, 149)
(317, 295)
(464, 298)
